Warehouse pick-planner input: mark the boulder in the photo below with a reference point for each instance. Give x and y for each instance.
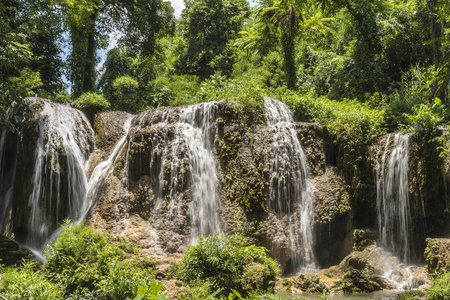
(11, 253)
(437, 254)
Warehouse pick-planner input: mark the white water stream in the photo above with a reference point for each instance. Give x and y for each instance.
(392, 197)
(194, 126)
(62, 150)
(291, 191)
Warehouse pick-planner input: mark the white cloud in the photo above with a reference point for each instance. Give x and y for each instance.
(178, 5)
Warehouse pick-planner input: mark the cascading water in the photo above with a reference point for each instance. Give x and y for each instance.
(392, 197)
(172, 166)
(64, 144)
(58, 181)
(8, 162)
(194, 127)
(102, 171)
(291, 192)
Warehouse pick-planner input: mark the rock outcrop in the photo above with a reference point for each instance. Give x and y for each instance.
(148, 195)
(437, 255)
(11, 253)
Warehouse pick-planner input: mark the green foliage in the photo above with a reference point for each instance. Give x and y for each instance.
(152, 292)
(27, 282)
(123, 280)
(410, 295)
(229, 262)
(440, 289)
(88, 265)
(208, 27)
(79, 257)
(410, 93)
(181, 89)
(354, 125)
(425, 118)
(286, 20)
(117, 64)
(125, 85)
(91, 100)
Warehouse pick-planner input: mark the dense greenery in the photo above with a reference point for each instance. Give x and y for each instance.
(441, 288)
(83, 264)
(229, 263)
(386, 57)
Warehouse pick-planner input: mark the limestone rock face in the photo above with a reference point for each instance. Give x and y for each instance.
(333, 217)
(437, 254)
(148, 196)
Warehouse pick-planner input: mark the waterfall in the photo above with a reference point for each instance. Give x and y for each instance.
(291, 192)
(8, 162)
(392, 196)
(102, 171)
(62, 150)
(194, 129)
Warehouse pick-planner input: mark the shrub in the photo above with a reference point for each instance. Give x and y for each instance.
(441, 288)
(229, 262)
(89, 266)
(123, 280)
(27, 283)
(353, 124)
(79, 257)
(125, 85)
(409, 94)
(425, 118)
(91, 101)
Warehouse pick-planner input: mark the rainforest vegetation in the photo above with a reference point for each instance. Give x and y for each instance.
(368, 66)
(359, 68)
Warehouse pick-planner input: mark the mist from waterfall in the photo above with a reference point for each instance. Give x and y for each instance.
(291, 192)
(392, 196)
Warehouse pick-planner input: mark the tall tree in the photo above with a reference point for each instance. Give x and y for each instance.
(208, 27)
(137, 23)
(286, 16)
(287, 20)
(27, 47)
(438, 11)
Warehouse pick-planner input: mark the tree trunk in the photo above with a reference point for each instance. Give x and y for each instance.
(89, 67)
(436, 35)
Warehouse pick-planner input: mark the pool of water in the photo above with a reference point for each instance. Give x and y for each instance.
(382, 295)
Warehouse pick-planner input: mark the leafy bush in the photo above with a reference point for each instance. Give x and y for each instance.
(182, 88)
(425, 118)
(79, 257)
(89, 266)
(27, 283)
(123, 280)
(409, 94)
(441, 288)
(91, 100)
(352, 123)
(229, 262)
(125, 85)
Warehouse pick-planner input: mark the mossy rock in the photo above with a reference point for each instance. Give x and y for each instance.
(11, 253)
(363, 238)
(437, 254)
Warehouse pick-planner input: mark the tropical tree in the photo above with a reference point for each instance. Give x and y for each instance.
(289, 20)
(440, 12)
(140, 24)
(208, 27)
